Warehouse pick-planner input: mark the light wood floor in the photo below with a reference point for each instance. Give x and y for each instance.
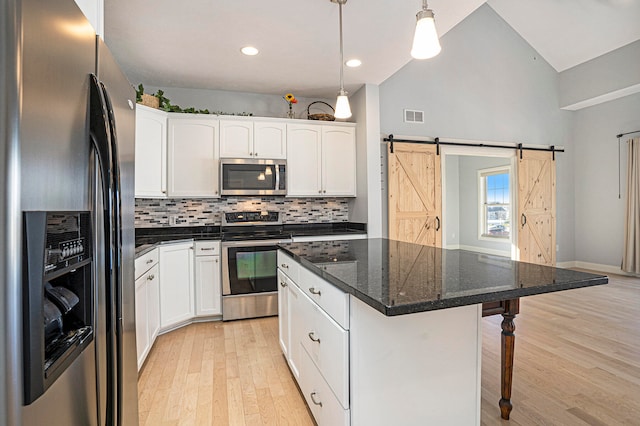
(577, 362)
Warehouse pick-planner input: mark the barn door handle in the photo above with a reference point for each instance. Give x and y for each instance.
(438, 225)
(523, 220)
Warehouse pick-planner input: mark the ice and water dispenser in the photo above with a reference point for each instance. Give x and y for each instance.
(58, 295)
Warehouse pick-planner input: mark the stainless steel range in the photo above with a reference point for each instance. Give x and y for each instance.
(249, 264)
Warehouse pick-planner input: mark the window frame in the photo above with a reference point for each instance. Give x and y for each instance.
(482, 193)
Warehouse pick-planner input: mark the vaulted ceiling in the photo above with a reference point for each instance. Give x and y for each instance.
(196, 44)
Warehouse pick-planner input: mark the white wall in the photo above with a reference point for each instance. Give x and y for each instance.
(451, 207)
(367, 206)
(599, 213)
(606, 77)
(487, 84)
(469, 202)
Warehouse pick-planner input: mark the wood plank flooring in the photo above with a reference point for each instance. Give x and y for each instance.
(577, 362)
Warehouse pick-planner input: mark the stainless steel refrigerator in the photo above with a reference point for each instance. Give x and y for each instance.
(67, 117)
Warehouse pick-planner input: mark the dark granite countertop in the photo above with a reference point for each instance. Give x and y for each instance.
(148, 238)
(400, 278)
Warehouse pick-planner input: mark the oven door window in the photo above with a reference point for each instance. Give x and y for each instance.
(252, 269)
(237, 177)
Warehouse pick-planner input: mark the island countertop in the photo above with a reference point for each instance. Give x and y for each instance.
(399, 278)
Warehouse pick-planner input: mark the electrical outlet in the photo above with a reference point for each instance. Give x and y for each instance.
(173, 220)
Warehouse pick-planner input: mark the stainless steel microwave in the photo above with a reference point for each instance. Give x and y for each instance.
(242, 176)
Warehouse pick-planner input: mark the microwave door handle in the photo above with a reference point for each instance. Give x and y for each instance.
(277, 167)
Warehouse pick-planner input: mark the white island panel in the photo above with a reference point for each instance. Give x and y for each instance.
(415, 369)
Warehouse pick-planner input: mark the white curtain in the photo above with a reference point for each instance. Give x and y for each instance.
(631, 253)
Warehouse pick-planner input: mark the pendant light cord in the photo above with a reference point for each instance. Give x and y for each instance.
(340, 3)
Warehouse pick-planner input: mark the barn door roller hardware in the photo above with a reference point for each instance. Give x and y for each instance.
(437, 142)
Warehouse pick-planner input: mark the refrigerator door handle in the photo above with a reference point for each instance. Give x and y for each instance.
(101, 137)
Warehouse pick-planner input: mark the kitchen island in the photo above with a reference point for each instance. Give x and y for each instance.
(384, 332)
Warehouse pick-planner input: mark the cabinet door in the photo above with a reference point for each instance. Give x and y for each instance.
(153, 304)
(338, 161)
(176, 284)
(236, 139)
(303, 160)
(208, 286)
(283, 313)
(270, 140)
(193, 157)
(151, 153)
(297, 325)
(142, 331)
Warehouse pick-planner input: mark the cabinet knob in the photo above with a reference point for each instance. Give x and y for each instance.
(255, 154)
(320, 191)
(312, 290)
(313, 337)
(313, 398)
(324, 191)
(283, 284)
(285, 266)
(149, 261)
(150, 277)
(251, 153)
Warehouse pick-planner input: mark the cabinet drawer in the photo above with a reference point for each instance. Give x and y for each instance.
(328, 346)
(324, 406)
(145, 262)
(207, 248)
(334, 301)
(287, 265)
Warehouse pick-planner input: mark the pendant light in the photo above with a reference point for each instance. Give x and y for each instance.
(343, 110)
(425, 41)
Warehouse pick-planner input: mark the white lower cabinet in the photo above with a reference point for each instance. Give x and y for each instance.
(147, 303)
(142, 328)
(283, 313)
(176, 284)
(323, 403)
(208, 298)
(315, 340)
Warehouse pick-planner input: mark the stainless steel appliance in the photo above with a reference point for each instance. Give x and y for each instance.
(253, 177)
(249, 264)
(61, 95)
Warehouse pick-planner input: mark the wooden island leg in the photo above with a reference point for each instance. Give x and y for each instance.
(508, 344)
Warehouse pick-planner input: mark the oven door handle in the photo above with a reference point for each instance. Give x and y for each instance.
(256, 243)
(277, 167)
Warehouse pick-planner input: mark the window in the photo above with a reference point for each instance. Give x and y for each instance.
(495, 204)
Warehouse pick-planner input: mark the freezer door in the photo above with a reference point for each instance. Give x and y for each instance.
(58, 54)
(122, 97)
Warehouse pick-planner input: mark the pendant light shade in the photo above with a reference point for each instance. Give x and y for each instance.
(425, 41)
(342, 110)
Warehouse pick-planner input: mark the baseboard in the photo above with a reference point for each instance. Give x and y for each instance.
(598, 267)
(504, 253)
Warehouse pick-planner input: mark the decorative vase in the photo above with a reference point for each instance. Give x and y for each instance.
(290, 113)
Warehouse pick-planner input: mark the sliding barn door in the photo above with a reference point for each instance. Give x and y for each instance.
(415, 194)
(537, 208)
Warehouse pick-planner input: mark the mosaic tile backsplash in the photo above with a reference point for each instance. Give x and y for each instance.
(151, 213)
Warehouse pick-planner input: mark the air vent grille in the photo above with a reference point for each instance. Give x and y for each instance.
(413, 116)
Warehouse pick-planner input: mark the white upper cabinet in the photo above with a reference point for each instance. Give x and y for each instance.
(321, 160)
(93, 10)
(193, 157)
(253, 139)
(236, 139)
(270, 140)
(151, 153)
(303, 160)
(339, 161)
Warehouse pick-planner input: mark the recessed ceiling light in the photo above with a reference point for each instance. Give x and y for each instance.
(249, 50)
(353, 63)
